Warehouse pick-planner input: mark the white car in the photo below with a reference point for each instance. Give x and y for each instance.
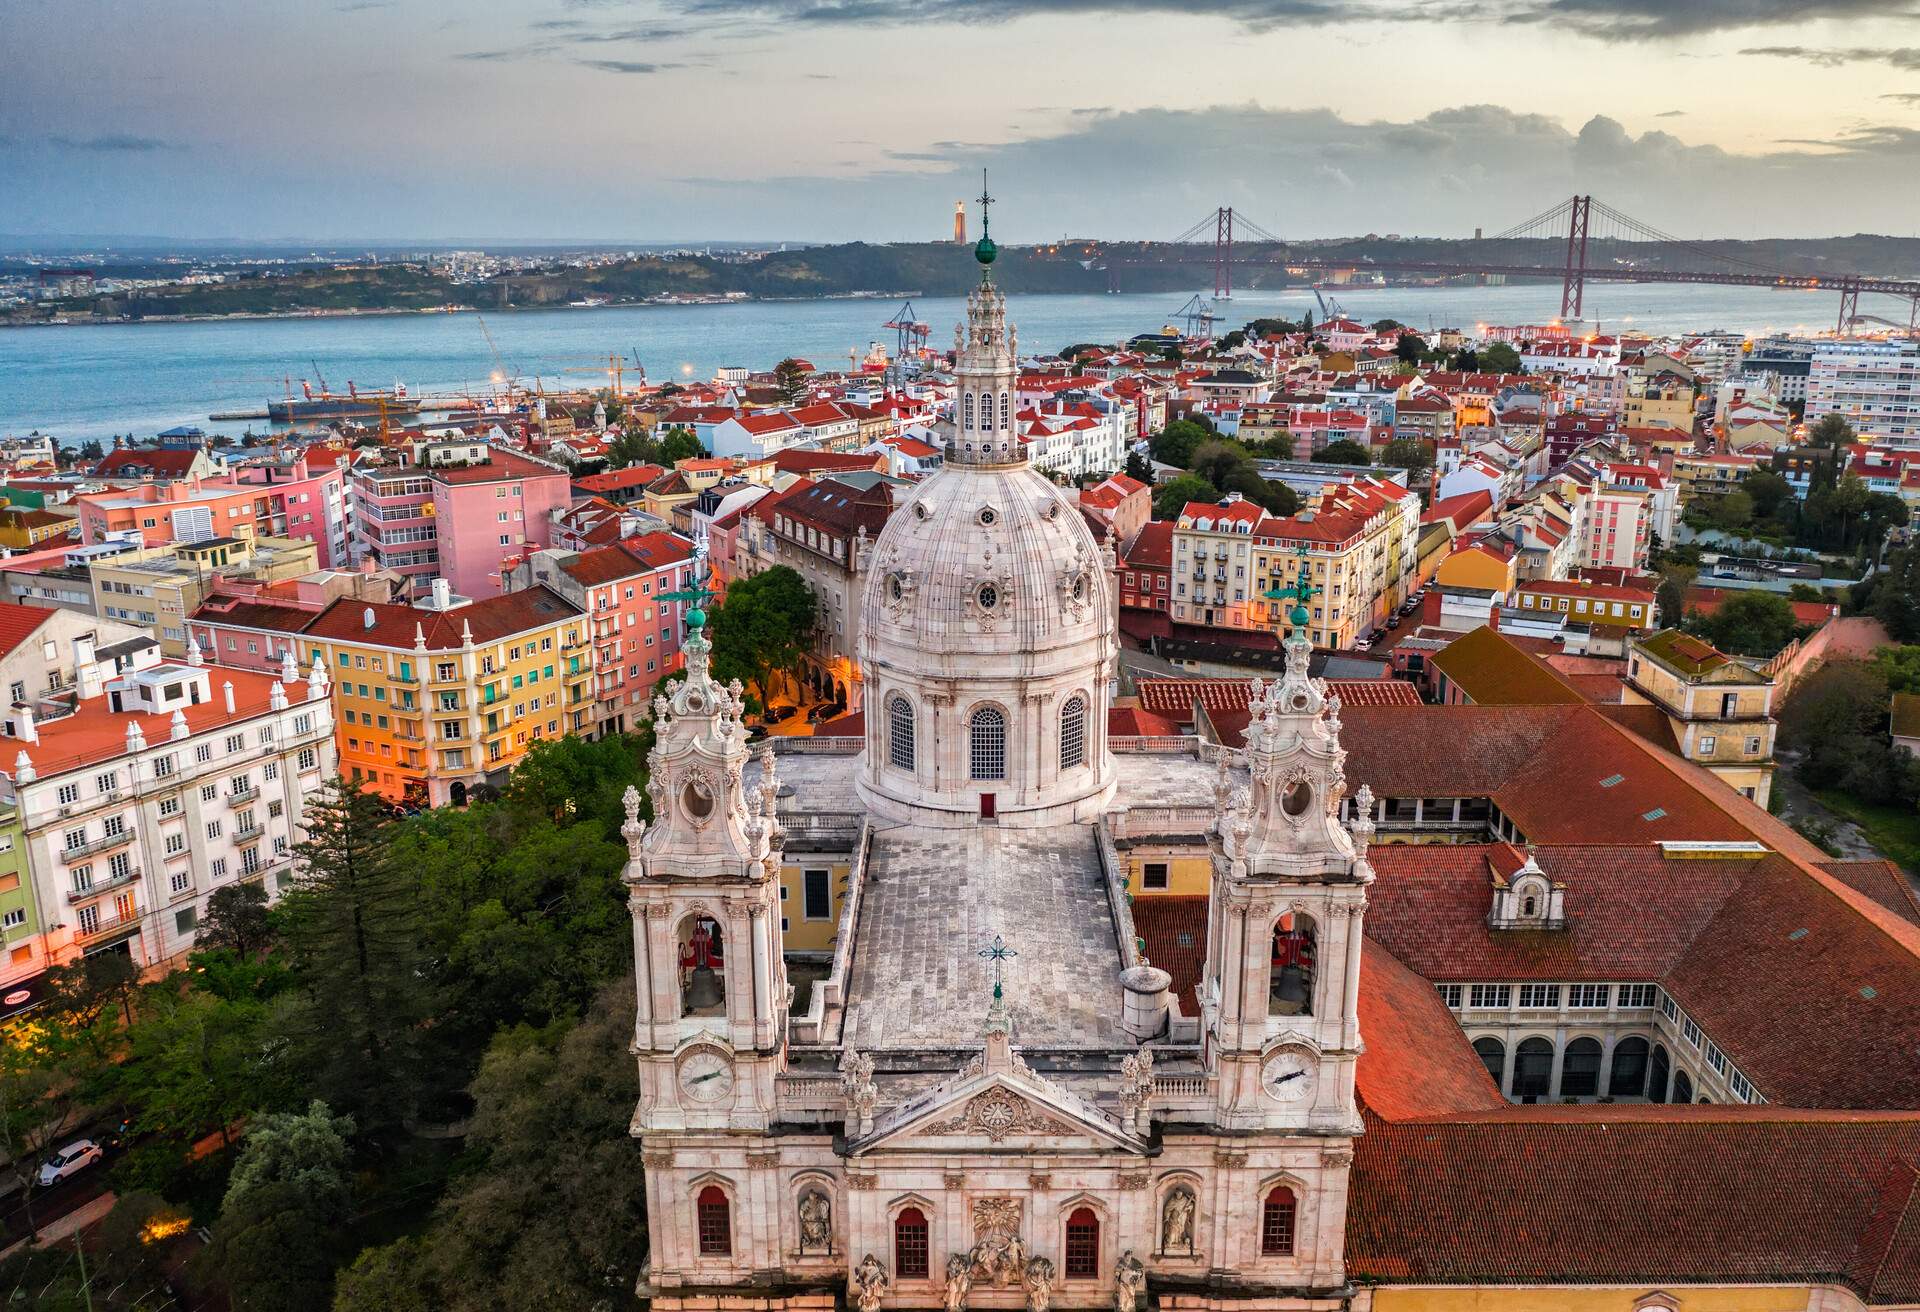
(76, 1156)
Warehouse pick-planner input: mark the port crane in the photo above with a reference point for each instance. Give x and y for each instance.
(1329, 308)
(1200, 316)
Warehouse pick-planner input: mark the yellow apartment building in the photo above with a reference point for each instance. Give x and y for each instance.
(1719, 711)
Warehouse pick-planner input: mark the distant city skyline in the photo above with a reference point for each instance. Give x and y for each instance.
(822, 120)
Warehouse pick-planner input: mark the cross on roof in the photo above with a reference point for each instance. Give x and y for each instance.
(998, 954)
(697, 594)
(1300, 592)
(985, 201)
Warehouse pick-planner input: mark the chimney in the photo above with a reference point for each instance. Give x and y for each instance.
(226, 689)
(25, 728)
(442, 594)
(367, 618)
(177, 727)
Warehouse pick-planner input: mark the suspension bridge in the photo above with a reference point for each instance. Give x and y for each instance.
(1578, 241)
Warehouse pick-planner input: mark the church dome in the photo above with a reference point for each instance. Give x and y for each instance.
(988, 632)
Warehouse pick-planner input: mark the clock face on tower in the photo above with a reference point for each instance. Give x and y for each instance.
(705, 1076)
(1288, 1076)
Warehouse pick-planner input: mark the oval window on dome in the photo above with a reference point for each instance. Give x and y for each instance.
(895, 589)
(697, 798)
(989, 516)
(988, 596)
(920, 510)
(1297, 798)
(1080, 587)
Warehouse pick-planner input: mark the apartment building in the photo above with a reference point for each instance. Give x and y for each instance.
(1719, 710)
(635, 634)
(303, 494)
(136, 797)
(1874, 386)
(159, 587)
(1357, 543)
(461, 510)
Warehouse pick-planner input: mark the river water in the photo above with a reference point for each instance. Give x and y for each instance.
(88, 381)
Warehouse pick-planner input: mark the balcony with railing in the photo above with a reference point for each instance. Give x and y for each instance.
(94, 847)
(106, 925)
(95, 887)
(248, 834)
(241, 796)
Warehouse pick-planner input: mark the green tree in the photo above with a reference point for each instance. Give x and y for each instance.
(196, 1063)
(1408, 453)
(1734, 512)
(1215, 458)
(355, 942)
(1831, 431)
(237, 919)
(1467, 361)
(551, 1210)
(44, 1072)
(1139, 468)
(1344, 451)
(1172, 496)
(1386, 325)
(1671, 597)
(1768, 490)
(1176, 443)
(680, 444)
(790, 377)
(569, 777)
(1500, 358)
(1896, 595)
(763, 628)
(1899, 666)
(282, 1222)
(1751, 623)
(1411, 349)
(1273, 497)
(630, 448)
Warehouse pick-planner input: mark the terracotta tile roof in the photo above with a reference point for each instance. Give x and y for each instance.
(1460, 511)
(609, 564)
(505, 466)
(1151, 548)
(1643, 718)
(658, 549)
(1174, 697)
(1417, 1060)
(138, 462)
(18, 623)
(798, 461)
(242, 613)
(1175, 929)
(1135, 722)
(1641, 1196)
(1709, 600)
(1883, 881)
(1492, 671)
(394, 625)
(95, 732)
(616, 479)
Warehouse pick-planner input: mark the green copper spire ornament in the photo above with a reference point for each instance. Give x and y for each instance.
(984, 250)
(1299, 592)
(697, 594)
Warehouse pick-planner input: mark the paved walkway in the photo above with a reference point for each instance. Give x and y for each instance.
(91, 1212)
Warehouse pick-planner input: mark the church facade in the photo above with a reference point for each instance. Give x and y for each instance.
(993, 1099)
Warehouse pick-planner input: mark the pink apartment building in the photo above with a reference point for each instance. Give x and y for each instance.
(303, 497)
(464, 511)
(636, 636)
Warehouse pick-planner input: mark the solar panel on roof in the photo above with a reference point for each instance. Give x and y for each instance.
(1613, 779)
(1657, 813)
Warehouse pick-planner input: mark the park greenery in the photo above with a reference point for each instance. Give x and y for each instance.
(413, 1065)
(640, 448)
(1836, 724)
(1215, 466)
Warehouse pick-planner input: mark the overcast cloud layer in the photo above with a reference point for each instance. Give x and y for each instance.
(829, 119)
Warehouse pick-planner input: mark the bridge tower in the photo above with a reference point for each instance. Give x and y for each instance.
(1573, 289)
(1222, 253)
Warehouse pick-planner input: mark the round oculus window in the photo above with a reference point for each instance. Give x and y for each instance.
(697, 798)
(1297, 798)
(894, 588)
(988, 596)
(1080, 587)
(989, 516)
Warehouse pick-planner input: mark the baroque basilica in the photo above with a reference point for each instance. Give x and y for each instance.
(1630, 1044)
(994, 1099)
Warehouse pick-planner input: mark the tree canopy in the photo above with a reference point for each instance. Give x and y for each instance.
(1176, 443)
(1748, 624)
(763, 628)
(1343, 451)
(1173, 495)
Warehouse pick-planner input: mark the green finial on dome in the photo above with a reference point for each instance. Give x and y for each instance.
(984, 250)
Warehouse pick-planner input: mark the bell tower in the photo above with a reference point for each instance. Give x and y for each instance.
(1282, 979)
(703, 885)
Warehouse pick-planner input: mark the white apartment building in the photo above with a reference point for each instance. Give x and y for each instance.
(139, 796)
(1874, 386)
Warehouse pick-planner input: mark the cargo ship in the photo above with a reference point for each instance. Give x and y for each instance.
(311, 405)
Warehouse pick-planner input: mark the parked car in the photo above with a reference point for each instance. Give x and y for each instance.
(775, 714)
(76, 1156)
(825, 711)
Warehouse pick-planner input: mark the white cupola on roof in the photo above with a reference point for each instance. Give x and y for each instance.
(989, 630)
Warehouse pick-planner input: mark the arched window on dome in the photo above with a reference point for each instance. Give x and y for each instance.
(900, 732)
(986, 409)
(987, 734)
(1073, 733)
(1006, 409)
(966, 403)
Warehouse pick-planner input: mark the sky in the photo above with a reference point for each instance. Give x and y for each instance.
(822, 120)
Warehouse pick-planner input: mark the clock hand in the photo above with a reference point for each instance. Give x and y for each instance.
(1284, 1078)
(702, 1079)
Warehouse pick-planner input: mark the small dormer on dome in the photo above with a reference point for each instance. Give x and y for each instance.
(1527, 898)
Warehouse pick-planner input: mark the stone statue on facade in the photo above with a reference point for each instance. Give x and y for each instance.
(959, 1281)
(816, 1222)
(1039, 1283)
(869, 1284)
(1129, 1282)
(856, 1082)
(1176, 1222)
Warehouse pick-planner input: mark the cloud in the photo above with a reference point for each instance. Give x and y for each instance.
(1905, 58)
(113, 142)
(1671, 113)
(361, 6)
(1904, 97)
(626, 66)
(1606, 20)
(1305, 173)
